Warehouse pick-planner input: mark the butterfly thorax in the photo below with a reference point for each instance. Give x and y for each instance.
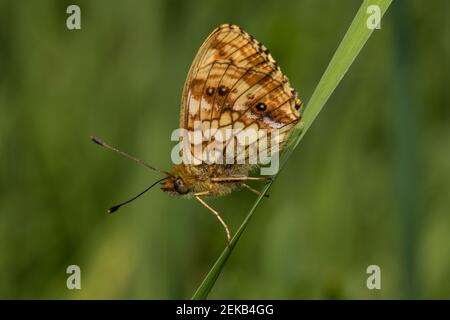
(187, 180)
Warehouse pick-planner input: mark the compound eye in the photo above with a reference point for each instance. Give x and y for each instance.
(180, 187)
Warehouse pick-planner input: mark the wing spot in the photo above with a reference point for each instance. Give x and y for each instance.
(223, 90)
(261, 107)
(298, 104)
(210, 91)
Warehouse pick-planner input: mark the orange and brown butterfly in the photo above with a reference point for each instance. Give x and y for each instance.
(232, 83)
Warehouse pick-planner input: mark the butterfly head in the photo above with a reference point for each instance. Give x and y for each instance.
(175, 185)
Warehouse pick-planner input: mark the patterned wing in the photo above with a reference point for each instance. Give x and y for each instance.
(235, 83)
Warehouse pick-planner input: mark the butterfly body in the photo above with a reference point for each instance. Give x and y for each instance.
(188, 180)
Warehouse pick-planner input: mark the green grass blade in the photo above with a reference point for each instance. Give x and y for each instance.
(352, 43)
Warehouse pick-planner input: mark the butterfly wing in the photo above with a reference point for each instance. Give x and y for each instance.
(234, 83)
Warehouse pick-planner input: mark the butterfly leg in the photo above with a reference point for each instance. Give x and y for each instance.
(215, 213)
(239, 178)
(254, 190)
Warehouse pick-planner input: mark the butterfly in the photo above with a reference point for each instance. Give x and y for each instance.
(233, 84)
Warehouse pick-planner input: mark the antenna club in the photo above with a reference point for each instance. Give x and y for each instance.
(113, 209)
(96, 140)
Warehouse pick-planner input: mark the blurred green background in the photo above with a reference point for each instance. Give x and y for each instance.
(369, 184)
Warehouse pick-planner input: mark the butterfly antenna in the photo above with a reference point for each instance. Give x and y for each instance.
(115, 208)
(126, 155)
